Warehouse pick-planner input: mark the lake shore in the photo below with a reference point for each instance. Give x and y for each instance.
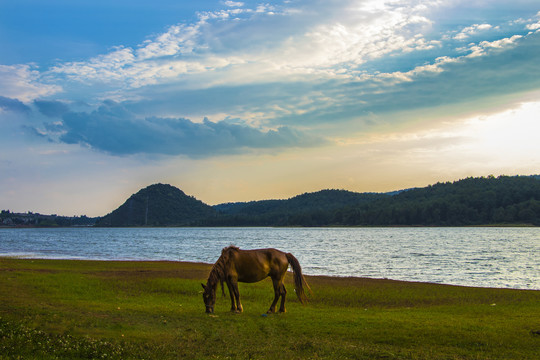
(489, 257)
(153, 309)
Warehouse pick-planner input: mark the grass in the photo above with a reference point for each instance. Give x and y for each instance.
(65, 309)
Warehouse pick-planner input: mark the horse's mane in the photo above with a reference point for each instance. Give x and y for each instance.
(228, 249)
(219, 269)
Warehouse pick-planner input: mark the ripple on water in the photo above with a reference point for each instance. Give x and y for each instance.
(492, 257)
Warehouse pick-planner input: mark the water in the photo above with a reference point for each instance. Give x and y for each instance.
(486, 257)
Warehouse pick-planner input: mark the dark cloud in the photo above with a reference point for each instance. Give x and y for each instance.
(51, 108)
(114, 129)
(15, 105)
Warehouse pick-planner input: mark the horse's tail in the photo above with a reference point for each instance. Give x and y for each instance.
(299, 280)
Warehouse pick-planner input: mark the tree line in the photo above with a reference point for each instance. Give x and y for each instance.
(502, 200)
(11, 219)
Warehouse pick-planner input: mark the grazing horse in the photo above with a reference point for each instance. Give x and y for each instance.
(250, 266)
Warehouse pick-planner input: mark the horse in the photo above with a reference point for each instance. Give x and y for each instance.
(249, 266)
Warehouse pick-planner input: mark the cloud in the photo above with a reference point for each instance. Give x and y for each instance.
(236, 46)
(485, 69)
(485, 46)
(113, 129)
(15, 105)
(51, 108)
(233, 3)
(24, 82)
(534, 23)
(282, 67)
(498, 68)
(534, 26)
(471, 30)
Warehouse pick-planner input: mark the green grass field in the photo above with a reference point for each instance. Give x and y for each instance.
(65, 309)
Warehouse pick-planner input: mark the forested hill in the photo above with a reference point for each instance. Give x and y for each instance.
(472, 201)
(158, 205)
(306, 210)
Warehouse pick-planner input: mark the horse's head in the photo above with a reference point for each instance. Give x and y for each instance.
(209, 298)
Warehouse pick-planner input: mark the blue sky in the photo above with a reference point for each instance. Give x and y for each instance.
(247, 100)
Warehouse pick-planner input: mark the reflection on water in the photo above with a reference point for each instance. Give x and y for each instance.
(490, 257)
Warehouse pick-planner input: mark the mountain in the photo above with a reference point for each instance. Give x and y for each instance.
(488, 200)
(290, 211)
(472, 201)
(324, 199)
(158, 205)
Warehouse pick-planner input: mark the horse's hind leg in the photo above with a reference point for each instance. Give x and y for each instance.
(283, 292)
(277, 293)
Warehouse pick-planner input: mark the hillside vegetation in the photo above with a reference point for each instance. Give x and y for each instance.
(471, 201)
(502, 200)
(158, 205)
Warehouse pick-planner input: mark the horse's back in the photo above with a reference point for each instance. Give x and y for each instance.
(272, 257)
(255, 265)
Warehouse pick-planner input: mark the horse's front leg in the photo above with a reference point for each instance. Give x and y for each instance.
(236, 306)
(231, 294)
(239, 307)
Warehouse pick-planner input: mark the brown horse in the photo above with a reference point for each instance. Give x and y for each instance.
(250, 266)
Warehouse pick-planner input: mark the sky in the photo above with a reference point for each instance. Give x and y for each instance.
(246, 100)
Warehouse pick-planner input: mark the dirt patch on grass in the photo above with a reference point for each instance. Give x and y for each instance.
(157, 269)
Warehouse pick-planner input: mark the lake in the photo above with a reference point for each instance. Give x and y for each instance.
(485, 257)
